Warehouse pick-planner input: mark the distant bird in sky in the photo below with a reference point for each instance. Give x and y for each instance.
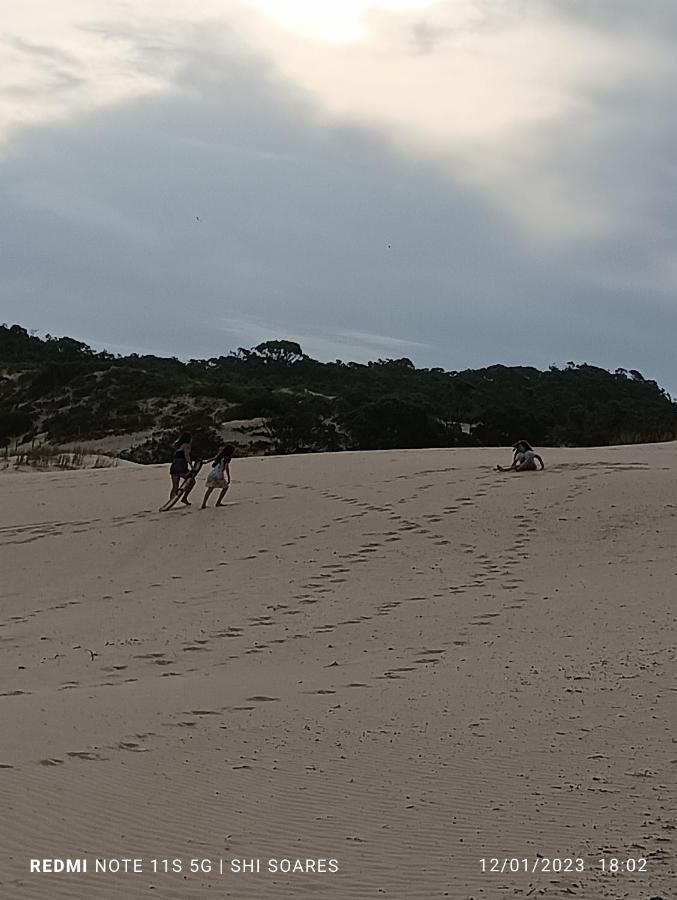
(197, 218)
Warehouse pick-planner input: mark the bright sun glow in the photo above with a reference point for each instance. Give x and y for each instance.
(480, 89)
(340, 21)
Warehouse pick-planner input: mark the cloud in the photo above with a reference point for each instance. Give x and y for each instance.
(318, 342)
(502, 97)
(460, 182)
(509, 98)
(315, 229)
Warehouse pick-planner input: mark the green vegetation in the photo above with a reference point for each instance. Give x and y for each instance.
(61, 390)
(48, 456)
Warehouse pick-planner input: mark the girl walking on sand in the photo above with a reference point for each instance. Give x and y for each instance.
(219, 476)
(185, 488)
(181, 464)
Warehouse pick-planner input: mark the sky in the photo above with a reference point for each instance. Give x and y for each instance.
(462, 182)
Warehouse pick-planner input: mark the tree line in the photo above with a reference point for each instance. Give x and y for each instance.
(60, 390)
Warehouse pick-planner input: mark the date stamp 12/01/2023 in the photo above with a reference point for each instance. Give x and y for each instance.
(561, 865)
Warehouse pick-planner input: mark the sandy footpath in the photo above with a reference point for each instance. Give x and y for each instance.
(404, 661)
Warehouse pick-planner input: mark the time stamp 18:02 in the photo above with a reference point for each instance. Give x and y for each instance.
(562, 865)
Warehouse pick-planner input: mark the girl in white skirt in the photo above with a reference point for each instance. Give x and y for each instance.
(219, 476)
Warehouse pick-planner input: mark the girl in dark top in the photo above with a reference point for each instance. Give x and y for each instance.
(180, 465)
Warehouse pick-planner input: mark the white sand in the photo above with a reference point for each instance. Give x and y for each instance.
(404, 660)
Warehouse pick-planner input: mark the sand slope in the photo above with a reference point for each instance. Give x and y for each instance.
(405, 661)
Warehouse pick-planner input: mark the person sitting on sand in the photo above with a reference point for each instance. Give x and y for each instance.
(181, 465)
(517, 457)
(219, 476)
(524, 459)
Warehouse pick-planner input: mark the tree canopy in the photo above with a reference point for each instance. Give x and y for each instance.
(62, 390)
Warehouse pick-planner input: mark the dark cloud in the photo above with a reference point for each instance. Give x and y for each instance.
(324, 233)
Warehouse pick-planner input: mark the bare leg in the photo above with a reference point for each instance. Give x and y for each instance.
(188, 486)
(221, 496)
(206, 497)
(173, 494)
(175, 486)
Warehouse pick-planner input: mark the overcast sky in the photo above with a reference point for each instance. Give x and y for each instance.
(463, 182)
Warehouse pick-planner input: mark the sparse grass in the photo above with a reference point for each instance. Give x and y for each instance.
(47, 456)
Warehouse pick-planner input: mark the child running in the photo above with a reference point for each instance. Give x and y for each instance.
(185, 487)
(180, 466)
(219, 477)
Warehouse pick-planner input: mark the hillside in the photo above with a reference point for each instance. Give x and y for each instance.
(275, 399)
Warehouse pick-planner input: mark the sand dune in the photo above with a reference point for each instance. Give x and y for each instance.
(404, 661)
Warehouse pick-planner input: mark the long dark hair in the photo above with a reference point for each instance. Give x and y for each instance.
(525, 444)
(184, 439)
(225, 453)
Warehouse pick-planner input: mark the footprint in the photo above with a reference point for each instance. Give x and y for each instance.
(86, 755)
